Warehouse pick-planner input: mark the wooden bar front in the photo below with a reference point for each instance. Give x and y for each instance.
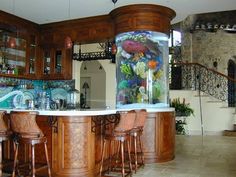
(75, 148)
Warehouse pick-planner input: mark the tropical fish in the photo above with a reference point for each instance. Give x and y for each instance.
(152, 64)
(131, 46)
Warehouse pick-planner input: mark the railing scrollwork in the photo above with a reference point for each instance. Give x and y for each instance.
(52, 122)
(194, 76)
(104, 121)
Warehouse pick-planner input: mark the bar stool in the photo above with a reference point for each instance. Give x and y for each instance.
(136, 132)
(120, 134)
(26, 131)
(4, 135)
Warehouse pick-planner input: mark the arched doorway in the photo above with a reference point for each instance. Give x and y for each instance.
(231, 85)
(93, 84)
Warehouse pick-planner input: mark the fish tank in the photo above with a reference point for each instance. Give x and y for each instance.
(142, 70)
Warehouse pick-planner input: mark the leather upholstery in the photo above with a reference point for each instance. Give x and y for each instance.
(141, 116)
(24, 124)
(3, 126)
(126, 122)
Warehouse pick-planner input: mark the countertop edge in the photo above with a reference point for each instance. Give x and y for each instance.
(90, 112)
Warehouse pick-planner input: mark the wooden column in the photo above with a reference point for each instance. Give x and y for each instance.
(159, 131)
(73, 147)
(142, 17)
(159, 137)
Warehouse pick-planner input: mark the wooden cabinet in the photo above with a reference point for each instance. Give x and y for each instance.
(21, 56)
(56, 63)
(159, 137)
(12, 53)
(75, 150)
(73, 147)
(32, 56)
(18, 47)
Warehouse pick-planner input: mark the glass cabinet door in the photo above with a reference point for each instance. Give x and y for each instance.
(58, 61)
(12, 53)
(32, 55)
(47, 62)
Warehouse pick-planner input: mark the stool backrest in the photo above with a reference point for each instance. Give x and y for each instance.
(24, 124)
(126, 122)
(3, 126)
(141, 116)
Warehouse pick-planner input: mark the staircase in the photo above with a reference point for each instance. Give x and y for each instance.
(213, 112)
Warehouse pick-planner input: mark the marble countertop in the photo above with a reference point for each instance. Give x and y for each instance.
(86, 112)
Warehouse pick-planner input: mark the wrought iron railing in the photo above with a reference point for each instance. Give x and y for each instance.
(195, 76)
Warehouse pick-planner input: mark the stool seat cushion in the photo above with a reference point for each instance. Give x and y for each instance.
(24, 124)
(140, 118)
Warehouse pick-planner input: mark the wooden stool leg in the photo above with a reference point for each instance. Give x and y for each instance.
(29, 160)
(130, 163)
(141, 149)
(47, 159)
(0, 158)
(117, 154)
(135, 152)
(15, 159)
(122, 159)
(110, 159)
(103, 152)
(33, 160)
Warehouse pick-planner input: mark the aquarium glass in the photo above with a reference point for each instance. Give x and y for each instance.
(142, 70)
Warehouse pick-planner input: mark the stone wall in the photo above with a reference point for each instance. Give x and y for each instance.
(210, 47)
(207, 47)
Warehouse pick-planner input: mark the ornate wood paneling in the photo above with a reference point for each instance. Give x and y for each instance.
(75, 147)
(74, 150)
(149, 137)
(159, 137)
(84, 30)
(42, 122)
(23, 27)
(142, 17)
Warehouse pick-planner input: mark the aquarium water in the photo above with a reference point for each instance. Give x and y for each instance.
(142, 70)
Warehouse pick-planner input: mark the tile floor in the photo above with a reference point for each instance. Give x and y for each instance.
(197, 156)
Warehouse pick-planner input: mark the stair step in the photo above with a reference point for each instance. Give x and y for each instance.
(229, 133)
(224, 107)
(212, 101)
(202, 95)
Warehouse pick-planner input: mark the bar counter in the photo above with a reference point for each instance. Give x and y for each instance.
(75, 139)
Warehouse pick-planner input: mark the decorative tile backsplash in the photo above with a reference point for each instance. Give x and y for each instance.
(15, 93)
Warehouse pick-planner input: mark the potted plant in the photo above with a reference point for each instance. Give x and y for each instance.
(182, 109)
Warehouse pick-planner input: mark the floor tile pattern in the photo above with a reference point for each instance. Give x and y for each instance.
(197, 156)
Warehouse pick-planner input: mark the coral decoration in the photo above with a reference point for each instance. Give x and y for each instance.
(131, 46)
(140, 70)
(143, 83)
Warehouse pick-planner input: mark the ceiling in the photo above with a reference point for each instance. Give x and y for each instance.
(47, 11)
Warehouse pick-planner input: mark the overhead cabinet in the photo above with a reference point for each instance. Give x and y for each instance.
(57, 63)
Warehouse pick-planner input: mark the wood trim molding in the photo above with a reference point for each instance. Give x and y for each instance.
(142, 17)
